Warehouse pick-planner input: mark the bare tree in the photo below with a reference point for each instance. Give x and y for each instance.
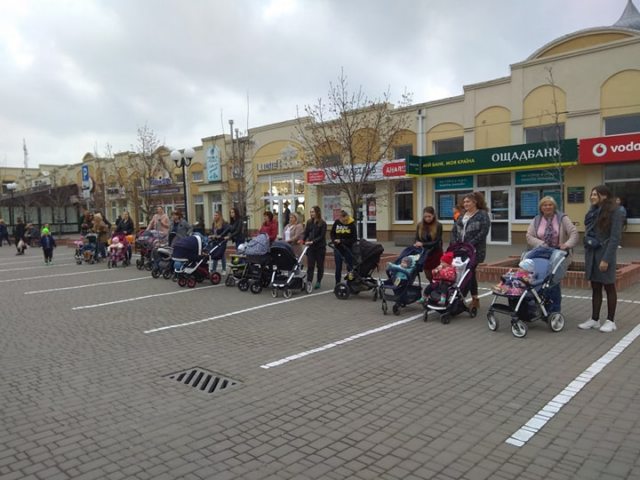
(349, 134)
(145, 163)
(558, 137)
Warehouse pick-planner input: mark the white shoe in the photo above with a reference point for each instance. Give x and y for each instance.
(608, 327)
(591, 323)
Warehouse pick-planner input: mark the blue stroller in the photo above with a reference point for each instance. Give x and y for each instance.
(399, 286)
(533, 302)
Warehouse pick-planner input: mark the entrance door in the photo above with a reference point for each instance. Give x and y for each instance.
(367, 218)
(498, 203)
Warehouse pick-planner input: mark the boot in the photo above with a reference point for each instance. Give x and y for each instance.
(475, 303)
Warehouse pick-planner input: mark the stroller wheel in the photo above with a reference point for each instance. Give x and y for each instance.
(274, 292)
(182, 281)
(215, 278)
(473, 312)
(308, 287)
(155, 273)
(287, 293)
(341, 291)
(492, 321)
(167, 274)
(139, 264)
(519, 329)
(191, 282)
(445, 318)
(230, 281)
(384, 307)
(556, 322)
(425, 317)
(148, 267)
(375, 294)
(79, 261)
(109, 263)
(396, 309)
(256, 287)
(243, 285)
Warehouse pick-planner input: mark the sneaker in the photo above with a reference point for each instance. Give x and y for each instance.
(591, 323)
(317, 285)
(608, 327)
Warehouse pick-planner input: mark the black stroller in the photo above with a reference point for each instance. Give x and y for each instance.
(464, 261)
(288, 271)
(162, 264)
(190, 260)
(399, 286)
(533, 301)
(366, 256)
(256, 274)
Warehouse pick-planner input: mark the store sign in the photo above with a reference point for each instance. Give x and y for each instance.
(514, 157)
(450, 183)
(536, 177)
(616, 148)
(384, 170)
(213, 164)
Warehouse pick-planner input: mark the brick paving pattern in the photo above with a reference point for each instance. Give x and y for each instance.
(84, 393)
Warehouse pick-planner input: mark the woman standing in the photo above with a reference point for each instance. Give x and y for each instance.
(102, 231)
(429, 237)
(124, 224)
(269, 226)
(554, 229)
(314, 236)
(179, 227)
(473, 227)
(293, 233)
(18, 234)
(219, 231)
(235, 227)
(603, 229)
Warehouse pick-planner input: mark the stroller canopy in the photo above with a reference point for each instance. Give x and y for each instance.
(550, 264)
(282, 256)
(188, 248)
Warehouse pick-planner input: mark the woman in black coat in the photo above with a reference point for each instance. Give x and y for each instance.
(18, 234)
(603, 230)
(315, 233)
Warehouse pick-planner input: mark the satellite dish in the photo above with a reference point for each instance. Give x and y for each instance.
(45, 173)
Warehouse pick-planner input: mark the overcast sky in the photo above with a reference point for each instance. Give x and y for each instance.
(76, 75)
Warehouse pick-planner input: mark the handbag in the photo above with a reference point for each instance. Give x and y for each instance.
(591, 242)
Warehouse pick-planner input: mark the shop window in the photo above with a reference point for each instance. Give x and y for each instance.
(544, 134)
(528, 199)
(624, 181)
(331, 204)
(403, 200)
(449, 145)
(402, 151)
(622, 124)
(445, 201)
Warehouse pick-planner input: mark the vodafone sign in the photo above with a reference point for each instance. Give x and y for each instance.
(617, 148)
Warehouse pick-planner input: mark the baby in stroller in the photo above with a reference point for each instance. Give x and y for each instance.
(443, 277)
(528, 291)
(401, 273)
(116, 252)
(87, 248)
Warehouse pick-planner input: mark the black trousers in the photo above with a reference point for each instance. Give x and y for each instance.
(315, 259)
(48, 254)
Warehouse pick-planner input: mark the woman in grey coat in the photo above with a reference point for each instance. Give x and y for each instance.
(603, 229)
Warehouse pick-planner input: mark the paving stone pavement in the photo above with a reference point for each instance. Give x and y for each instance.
(84, 392)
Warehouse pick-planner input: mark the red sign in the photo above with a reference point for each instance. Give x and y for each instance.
(394, 169)
(616, 148)
(315, 176)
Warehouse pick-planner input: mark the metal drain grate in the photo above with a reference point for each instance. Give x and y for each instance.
(203, 380)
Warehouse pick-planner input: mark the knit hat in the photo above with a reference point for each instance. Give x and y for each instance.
(447, 258)
(528, 265)
(45, 231)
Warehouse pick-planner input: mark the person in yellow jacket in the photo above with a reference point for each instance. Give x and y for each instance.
(344, 235)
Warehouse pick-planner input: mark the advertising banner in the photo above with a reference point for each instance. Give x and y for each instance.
(213, 164)
(384, 170)
(489, 160)
(616, 148)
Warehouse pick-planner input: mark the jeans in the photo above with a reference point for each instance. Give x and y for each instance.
(555, 299)
(340, 255)
(215, 264)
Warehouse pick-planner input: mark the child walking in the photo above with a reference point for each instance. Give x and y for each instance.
(48, 244)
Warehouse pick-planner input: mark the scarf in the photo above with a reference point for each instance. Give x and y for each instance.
(549, 233)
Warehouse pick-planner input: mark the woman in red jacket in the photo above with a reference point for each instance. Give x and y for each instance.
(269, 226)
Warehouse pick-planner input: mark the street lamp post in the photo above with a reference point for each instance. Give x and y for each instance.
(184, 160)
(11, 187)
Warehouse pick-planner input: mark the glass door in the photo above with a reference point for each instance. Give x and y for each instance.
(499, 208)
(367, 218)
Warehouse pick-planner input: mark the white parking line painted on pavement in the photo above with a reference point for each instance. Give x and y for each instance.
(29, 260)
(40, 266)
(86, 286)
(237, 312)
(327, 346)
(539, 420)
(144, 297)
(41, 277)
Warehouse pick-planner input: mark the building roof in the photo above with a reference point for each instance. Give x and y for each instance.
(630, 17)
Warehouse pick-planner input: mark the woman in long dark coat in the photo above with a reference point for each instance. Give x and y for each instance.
(603, 230)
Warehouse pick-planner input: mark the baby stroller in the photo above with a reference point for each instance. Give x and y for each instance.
(399, 287)
(531, 304)
(117, 252)
(464, 261)
(258, 268)
(237, 265)
(162, 264)
(77, 255)
(190, 260)
(87, 251)
(288, 274)
(145, 242)
(366, 256)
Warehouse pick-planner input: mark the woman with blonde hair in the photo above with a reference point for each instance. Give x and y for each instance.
(554, 229)
(293, 233)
